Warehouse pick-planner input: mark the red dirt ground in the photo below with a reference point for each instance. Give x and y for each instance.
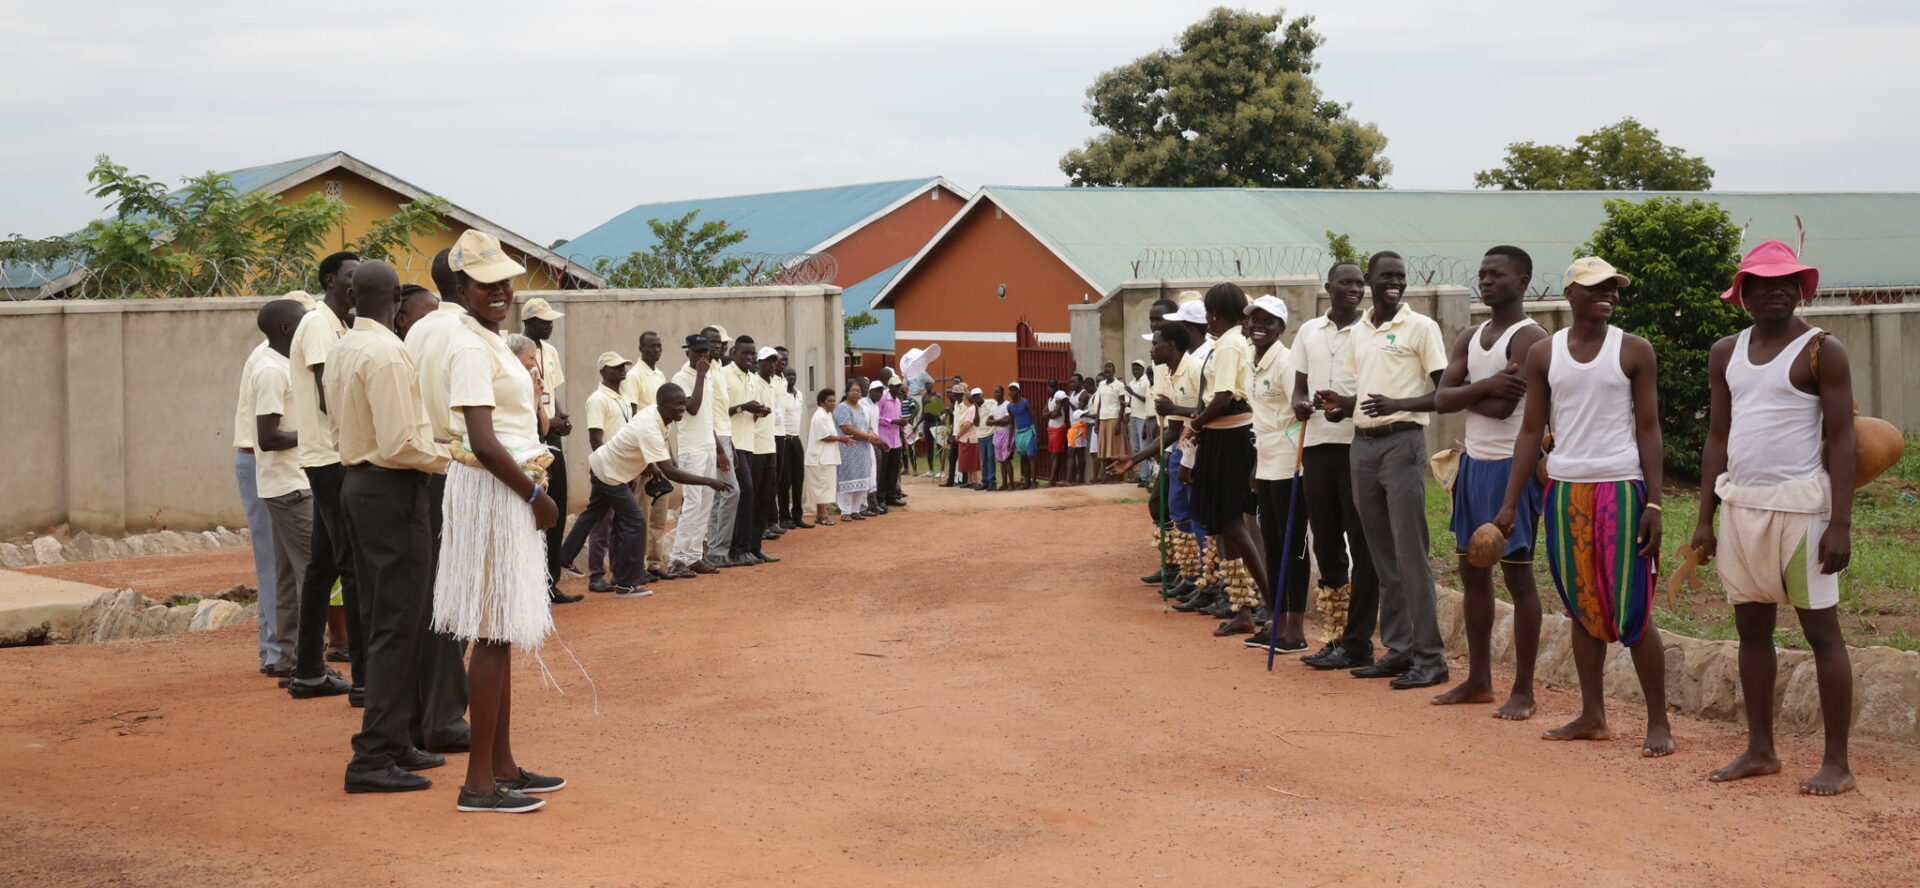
(930, 698)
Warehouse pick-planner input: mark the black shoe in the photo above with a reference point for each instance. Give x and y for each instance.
(390, 779)
(1425, 675)
(330, 685)
(277, 672)
(1223, 608)
(600, 585)
(460, 746)
(556, 596)
(1283, 647)
(1201, 599)
(357, 698)
(801, 525)
(500, 801)
(1155, 578)
(339, 655)
(1183, 590)
(948, 484)
(631, 592)
(1391, 667)
(418, 760)
(765, 558)
(531, 782)
(1337, 656)
(768, 536)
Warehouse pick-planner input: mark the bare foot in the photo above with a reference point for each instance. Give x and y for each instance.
(1659, 741)
(1519, 707)
(1580, 729)
(1830, 780)
(1748, 764)
(1467, 691)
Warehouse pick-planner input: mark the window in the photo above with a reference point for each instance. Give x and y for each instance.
(331, 189)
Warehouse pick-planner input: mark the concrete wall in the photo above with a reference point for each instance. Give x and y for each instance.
(119, 413)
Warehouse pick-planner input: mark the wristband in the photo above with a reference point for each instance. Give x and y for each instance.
(1656, 507)
(534, 495)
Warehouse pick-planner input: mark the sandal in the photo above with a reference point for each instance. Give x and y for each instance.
(825, 522)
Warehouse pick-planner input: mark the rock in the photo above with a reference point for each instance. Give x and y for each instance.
(1500, 652)
(179, 618)
(1623, 683)
(47, 550)
(131, 547)
(246, 536)
(212, 613)
(228, 538)
(153, 621)
(236, 592)
(1886, 694)
(12, 556)
(122, 617)
(1799, 691)
(105, 616)
(224, 614)
(1556, 653)
(250, 613)
(83, 547)
(213, 540)
(166, 542)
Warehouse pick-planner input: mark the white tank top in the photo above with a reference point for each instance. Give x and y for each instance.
(1776, 435)
(1489, 438)
(1593, 434)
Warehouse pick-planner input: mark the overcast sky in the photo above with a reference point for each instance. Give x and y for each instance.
(549, 118)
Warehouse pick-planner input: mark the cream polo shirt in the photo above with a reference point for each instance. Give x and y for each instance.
(764, 428)
(1139, 406)
(374, 395)
(319, 330)
(740, 390)
(696, 429)
(1320, 350)
(243, 428)
(1396, 360)
(1276, 434)
(275, 472)
(641, 388)
(483, 372)
(639, 443)
(428, 342)
(551, 379)
(1111, 399)
(607, 410)
(790, 413)
(982, 431)
(1228, 368)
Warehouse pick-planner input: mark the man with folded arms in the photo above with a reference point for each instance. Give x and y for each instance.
(387, 445)
(282, 489)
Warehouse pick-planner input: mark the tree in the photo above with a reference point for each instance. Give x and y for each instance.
(1680, 254)
(209, 238)
(681, 256)
(855, 322)
(1340, 247)
(1234, 105)
(1626, 156)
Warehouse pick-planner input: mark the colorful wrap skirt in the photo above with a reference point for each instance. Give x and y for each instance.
(1592, 550)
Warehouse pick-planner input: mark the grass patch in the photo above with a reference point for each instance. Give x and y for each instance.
(1878, 605)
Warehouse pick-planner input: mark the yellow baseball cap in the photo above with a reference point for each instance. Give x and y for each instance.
(612, 359)
(538, 308)
(1591, 270)
(479, 255)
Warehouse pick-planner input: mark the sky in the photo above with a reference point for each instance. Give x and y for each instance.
(551, 118)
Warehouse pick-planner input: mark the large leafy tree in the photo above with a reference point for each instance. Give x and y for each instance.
(208, 238)
(1681, 254)
(682, 255)
(1234, 105)
(1626, 156)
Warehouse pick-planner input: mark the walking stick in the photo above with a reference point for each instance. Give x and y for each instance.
(1286, 549)
(1166, 524)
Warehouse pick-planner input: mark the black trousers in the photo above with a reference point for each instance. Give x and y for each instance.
(1336, 535)
(443, 661)
(330, 560)
(393, 561)
(890, 472)
(557, 490)
(747, 467)
(766, 477)
(1273, 497)
(793, 479)
(629, 550)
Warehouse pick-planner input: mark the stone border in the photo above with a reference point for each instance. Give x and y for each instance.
(125, 613)
(1703, 676)
(87, 547)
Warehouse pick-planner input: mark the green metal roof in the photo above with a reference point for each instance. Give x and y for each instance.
(1110, 235)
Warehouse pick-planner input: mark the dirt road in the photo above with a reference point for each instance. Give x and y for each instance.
(968, 699)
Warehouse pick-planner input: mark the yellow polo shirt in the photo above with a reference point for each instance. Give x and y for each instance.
(374, 395)
(764, 428)
(428, 341)
(640, 442)
(740, 390)
(1276, 434)
(1397, 360)
(275, 472)
(1110, 400)
(551, 379)
(696, 429)
(1229, 367)
(319, 330)
(790, 411)
(641, 388)
(607, 411)
(483, 372)
(243, 404)
(1320, 352)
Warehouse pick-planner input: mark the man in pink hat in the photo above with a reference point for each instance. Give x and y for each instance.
(1779, 468)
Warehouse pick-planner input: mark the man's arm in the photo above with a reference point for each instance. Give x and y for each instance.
(673, 472)
(1533, 429)
(1713, 459)
(268, 436)
(319, 384)
(1642, 368)
(698, 396)
(1835, 381)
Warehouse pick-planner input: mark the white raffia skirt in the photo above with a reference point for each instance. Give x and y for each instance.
(492, 579)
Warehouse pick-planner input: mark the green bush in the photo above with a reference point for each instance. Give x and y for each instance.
(1681, 254)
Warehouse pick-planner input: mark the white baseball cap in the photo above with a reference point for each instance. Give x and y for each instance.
(765, 352)
(612, 359)
(1272, 305)
(1591, 270)
(538, 308)
(975, 391)
(479, 255)
(1194, 312)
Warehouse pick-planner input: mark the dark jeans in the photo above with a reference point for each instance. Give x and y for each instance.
(1336, 535)
(393, 561)
(766, 477)
(889, 482)
(746, 537)
(331, 559)
(629, 557)
(443, 661)
(1274, 497)
(557, 490)
(793, 479)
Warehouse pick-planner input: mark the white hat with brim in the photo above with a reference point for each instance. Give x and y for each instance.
(478, 254)
(612, 359)
(1591, 270)
(975, 391)
(1272, 305)
(538, 308)
(876, 384)
(765, 352)
(1190, 313)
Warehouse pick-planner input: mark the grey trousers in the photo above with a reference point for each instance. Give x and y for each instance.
(260, 527)
(725, 504)
(292, 534)
(1390, 493)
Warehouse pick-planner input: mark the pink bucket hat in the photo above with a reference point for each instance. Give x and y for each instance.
(1773, 259)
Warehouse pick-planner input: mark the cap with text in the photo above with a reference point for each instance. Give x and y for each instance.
(1588, 271)
(612, 359)
(479, 255)
(538, 308)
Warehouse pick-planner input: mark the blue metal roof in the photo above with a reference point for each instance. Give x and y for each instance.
(857, 298)
(1857, 240)
(780, 222)
(255, 178)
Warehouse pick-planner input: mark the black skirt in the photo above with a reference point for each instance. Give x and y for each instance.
(1223, 477)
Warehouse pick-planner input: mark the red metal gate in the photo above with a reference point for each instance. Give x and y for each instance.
(1039, 363)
